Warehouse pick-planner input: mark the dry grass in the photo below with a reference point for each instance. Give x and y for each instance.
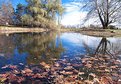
(4, 30)
(91, 32)
(95, 32)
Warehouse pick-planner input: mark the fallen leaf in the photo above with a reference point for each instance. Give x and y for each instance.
(68, 68)
(88, 82)
(88, 65)
(107, 70)
(57, 64)
(106, 80)
(2, 80)
(113, 67)
(115, 74)
(28, 71)
(92, 74)
(45, 65)
(13, 66)
(81, 73)
(6, 66)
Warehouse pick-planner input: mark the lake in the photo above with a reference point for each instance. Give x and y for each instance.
(51, 57)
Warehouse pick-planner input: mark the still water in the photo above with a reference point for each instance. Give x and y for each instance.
(84, 53)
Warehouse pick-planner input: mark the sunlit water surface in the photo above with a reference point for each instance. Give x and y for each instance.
(32, 49)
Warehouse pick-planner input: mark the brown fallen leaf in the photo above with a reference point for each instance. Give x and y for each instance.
(81, 73)
(70, 79)
(13, 66)
(4, 75)
(75, 71)
(106, 80)
(92, 74)
(27, 71)
(2, 80)
(88, 65)
(96, 81)
(107, 70)
(115, 74)
(57, 64)
(85, 59)
(67, 73)
(113, 67)
(88, 82)
(45, 65)
(117, 62)
(103, 66)
(68, 68)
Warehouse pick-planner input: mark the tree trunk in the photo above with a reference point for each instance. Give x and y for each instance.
(105, 26)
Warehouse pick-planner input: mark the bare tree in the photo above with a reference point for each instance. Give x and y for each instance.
(107, 11)
(6, 13)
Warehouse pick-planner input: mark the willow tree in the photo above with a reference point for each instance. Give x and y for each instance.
(54, 7)
(35, 14)
(107, 11)
(41, 13)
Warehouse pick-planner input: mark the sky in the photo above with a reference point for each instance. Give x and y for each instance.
(72, 16)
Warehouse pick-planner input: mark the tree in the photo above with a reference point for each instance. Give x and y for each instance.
(54, 7)
(18, 14)
(35, 11)
(107, 11)
(6, 13)
(27, 20)
(39, 13)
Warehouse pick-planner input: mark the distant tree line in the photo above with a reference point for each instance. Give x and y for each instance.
(36, 13)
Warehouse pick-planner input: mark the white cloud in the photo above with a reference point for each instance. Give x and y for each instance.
(73, 15)
(73, 18)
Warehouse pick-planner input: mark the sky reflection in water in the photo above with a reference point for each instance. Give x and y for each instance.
(31, 49)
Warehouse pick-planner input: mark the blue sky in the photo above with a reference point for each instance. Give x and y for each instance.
(72, 15)
(15, 2)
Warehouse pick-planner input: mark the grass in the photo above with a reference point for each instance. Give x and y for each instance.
(8, 30)
(95, 32)
(91, 32)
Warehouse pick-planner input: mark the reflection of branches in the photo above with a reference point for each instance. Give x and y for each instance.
(103, 47)
(104, 60)
(6, 45)
(40, 47)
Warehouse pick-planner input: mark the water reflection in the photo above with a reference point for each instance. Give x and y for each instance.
(104, 59)
(6, 46)
(40, 47)
(31, 48)
(62, 56)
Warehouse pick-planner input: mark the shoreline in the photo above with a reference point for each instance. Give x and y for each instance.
(10, 30)
(90, 32)
(96, 32)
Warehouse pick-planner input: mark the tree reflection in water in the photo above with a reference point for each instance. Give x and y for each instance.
(6, 46)
(100, 65)
(40, 47)
(104, 61)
